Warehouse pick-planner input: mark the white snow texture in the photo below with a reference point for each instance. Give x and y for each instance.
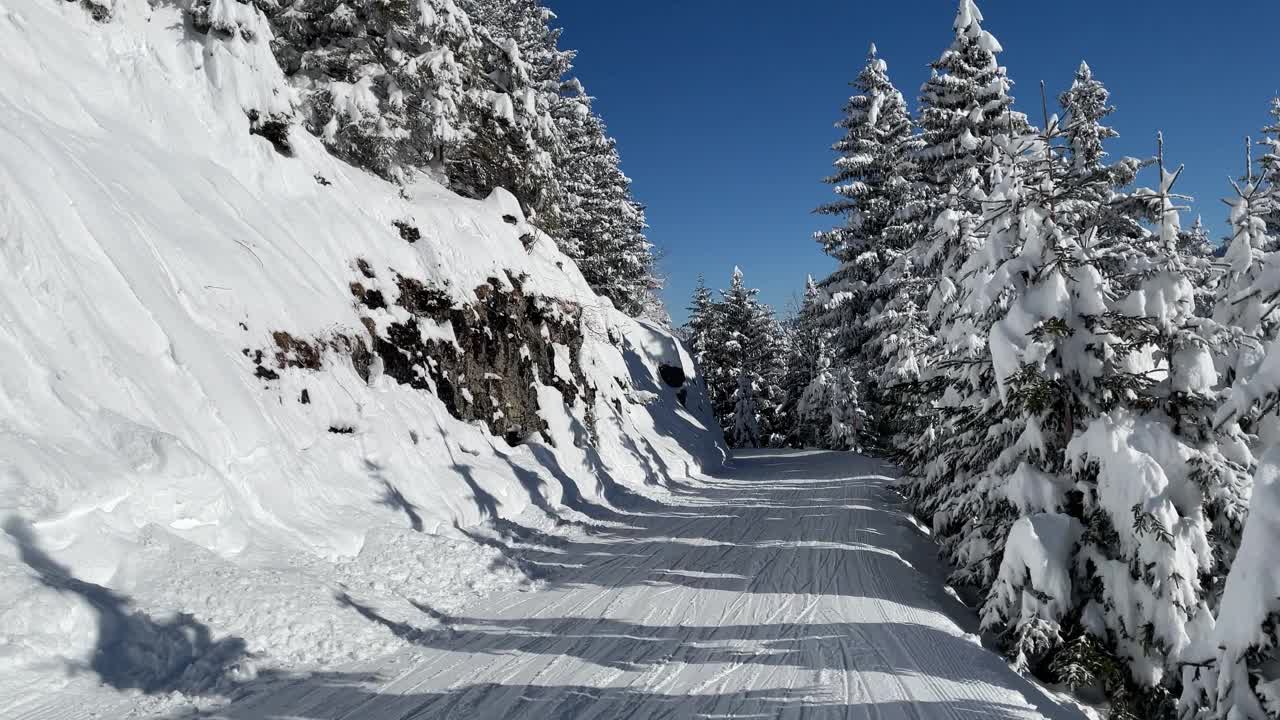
(159, 500)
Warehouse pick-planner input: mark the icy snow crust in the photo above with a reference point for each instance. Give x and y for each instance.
(150, 485)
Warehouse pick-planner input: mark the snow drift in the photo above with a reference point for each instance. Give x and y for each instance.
(225, 429)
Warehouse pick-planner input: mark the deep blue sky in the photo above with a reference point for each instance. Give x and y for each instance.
(723, 109)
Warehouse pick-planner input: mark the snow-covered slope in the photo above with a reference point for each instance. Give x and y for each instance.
(210, 432)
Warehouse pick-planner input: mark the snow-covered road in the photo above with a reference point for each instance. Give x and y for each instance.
(793, 587)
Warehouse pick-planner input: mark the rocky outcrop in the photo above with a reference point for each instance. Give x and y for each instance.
(484, 359)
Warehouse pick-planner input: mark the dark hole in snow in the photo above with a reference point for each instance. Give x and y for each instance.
(274, 128)
(671, 375)
(266, 373)
(509, 219)
(365, 268)
(305, 398)
(528, 240)
(341, 429)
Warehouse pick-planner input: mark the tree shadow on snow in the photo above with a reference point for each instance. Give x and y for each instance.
(853, 528)
(134, 650)
(751, 534)
(392, 497)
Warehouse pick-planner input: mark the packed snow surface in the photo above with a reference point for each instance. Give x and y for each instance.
(792, 585)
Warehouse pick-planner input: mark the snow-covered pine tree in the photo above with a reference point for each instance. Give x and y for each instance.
(1270, 163)
(1197, 252)
(965, 106)
(531, 71)
(699, 329)
(874, 180)
(601, 224)
(1085, 105)
(1237, 680)
(976, 427)
(745, 430)
(871, 179)
(1049, 351)
(577, 187)
(508, 148)
(809, 347)
(389, 85)
(1236, 676)
(529, 24)
(772, 348)
(831, 406)
(1160, 490)
(745, 363)
(1195, 241)
(1253, 320)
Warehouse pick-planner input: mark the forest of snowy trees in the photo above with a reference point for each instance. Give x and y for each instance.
(475, 93)
(1083, 390)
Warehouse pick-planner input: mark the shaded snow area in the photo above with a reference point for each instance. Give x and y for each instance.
(790, 585)
(259, 412)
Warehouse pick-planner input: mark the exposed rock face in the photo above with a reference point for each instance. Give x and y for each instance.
(484, 360)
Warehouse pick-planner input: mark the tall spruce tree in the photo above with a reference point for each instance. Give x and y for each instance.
(872, 176)
(1158, 492)
(1270, 163)
(567, 170)
(809, 346)
(1249, 249)
(963, 104)
(602, 225)
(1234, 675)
(700, 327)
(965, 107)
(874, 180)
(744, 365)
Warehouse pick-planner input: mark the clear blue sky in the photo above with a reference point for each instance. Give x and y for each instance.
(723, 109)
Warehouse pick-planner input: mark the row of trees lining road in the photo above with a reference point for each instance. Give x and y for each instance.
(476, 93)
(1078, 387)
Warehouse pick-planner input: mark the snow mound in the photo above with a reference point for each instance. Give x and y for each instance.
(207, 468)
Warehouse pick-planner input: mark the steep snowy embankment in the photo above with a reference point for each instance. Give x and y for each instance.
(237, 387)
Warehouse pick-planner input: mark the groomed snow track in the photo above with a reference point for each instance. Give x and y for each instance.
(793, 587)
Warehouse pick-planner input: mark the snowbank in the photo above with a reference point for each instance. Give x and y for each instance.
(202, 472)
